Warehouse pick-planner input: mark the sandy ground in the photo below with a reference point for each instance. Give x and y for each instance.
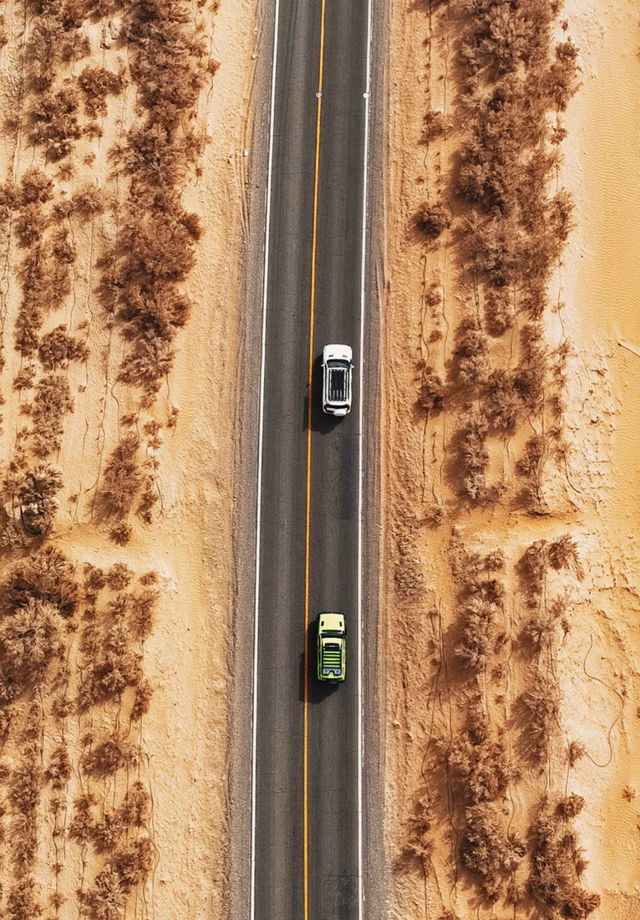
(590, 494)
(182, 741)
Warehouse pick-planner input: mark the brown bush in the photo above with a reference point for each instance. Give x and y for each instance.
(141, 700)
(57, 348)
(134, 811)
(96, 83)
(541, 706)
(502, 401)
(120, 533)
(115, 668)
(59, 769)
(21, 902)
(47, 576)
(480, 633)
(35, 188)
(121, 478)
(488, 851)
(474, 457)
(29, 643)
(82, 824)
(431, 396)
(470, 362)
(431, 219)
(133, 862)
(106, 898)
(37, 497)
(118, 576)
(29, 225)
(109, 755)
(498, 312)
(555, 861)
(54, 122)
(53, 39)
(51, 403)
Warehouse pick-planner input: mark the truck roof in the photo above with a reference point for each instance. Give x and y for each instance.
(332, 621)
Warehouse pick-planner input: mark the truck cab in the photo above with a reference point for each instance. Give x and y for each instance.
(332, 647)
(337, 375)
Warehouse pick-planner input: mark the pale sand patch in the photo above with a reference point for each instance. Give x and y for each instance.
(600, 284)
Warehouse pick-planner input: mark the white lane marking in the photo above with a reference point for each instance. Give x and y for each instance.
(256, 615)
(366, 96)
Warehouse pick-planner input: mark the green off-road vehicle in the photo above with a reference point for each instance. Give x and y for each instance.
(332, 647)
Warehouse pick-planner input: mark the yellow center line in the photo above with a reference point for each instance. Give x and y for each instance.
(312, 306)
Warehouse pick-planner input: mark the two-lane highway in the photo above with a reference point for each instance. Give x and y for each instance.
(307, 738)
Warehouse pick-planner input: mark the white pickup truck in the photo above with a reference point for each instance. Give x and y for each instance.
(337, 376)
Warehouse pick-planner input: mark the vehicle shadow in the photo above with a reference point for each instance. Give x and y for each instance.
(320, 421)
(317, 690)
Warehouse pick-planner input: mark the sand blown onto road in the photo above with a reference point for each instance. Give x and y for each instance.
(590, 660)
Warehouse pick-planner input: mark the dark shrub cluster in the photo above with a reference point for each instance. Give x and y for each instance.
(557, 863)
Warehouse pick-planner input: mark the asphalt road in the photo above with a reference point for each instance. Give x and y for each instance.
(323, 884)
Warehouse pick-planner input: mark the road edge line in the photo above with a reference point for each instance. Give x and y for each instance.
(256, 614)
(365, 189)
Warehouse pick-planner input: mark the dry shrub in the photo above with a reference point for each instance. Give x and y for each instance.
(561, 79)
(134, 811)
(57, 348)
(474, 457)
(37, 497)
(35, 187)
(479, 767)
(149, 360)
(109, 755)
(470, 362)
(53, 39)
(121, 479)
(96, 83)
(54, 122)
(569, 806)
(481, 635)
(120, 533)
(563, 554)
(167, 62)
(142, 605)
(46, 576)
(431, 397)
(29, 225)
(575, 752)
(24, 787)
(21, 902)
(418, 840)
(498, 312)
(115, 668)
(503, 404)
(556, 863)
(541, 705)
(488, 851)
(133, 862)
(59, 769)
(531, 465)
(82, 824)
(141, 700)
(431, 219)
(51, 403)
(29, 643)
(435, 125)
(118, 577)
(106, 898)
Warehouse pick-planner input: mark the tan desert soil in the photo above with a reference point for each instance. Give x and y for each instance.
(183, 737)
(592, 494)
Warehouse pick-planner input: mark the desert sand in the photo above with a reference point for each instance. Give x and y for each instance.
(506, 762)
(115, 638)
